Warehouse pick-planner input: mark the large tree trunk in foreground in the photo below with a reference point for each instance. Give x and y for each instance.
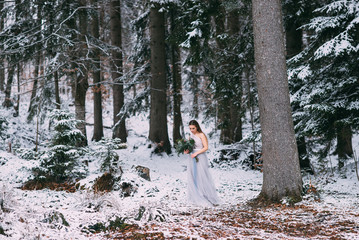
(281, 172)
(158, 112)
(116, 71)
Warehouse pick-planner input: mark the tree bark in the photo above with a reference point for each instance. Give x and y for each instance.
(98, 125)
(117, 71)
(11, 65)
(195, 86)
(158, 113)
(344, 148)
(57, 91)
(2, 59)
(294, 40)
(31, 109)
(250, 106)
(37, 70)
(17, 106)
(281, 172)
(52, 53)
(81, 84)
(177, 84)
(224, 111)
(235, 106)
(10, 77)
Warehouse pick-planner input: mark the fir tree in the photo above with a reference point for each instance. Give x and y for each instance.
(324, 78)
(58, 162)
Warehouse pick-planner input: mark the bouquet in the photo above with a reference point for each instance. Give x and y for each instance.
(185, 144)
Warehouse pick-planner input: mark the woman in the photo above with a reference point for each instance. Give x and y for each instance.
(201, 190)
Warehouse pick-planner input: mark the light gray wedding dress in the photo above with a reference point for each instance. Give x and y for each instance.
(201, 189)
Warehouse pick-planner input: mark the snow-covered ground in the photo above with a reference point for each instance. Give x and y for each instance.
(47, 214)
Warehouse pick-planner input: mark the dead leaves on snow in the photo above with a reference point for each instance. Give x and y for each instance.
(238, 223)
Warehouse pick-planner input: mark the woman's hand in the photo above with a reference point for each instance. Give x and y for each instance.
(193, 155)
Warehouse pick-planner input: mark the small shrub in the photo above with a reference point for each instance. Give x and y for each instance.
(118, 224)
(56, 218)
(105, 151)
(2, 232)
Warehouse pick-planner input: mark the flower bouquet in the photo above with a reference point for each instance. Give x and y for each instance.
(185, 144)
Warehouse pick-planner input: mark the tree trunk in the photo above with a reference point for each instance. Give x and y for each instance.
(17, 107)
(250, 106)
(281, 172)
(98, 125)
(177, 84)
(10, 77)
(224, 112)
(11, 65)
(31, 109)
(294, 40)
(236, 122)
(52, 54)
(235, 106)
(158, 112)
(2, 60)
(195, 86)
(116, 71)
(2, 74)
(37, 70)
(344, 144)
(81, 84)
(57, 92)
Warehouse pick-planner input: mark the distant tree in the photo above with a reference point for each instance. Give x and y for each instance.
(175, 30)
(281, 172)
(158, 112)
(81, 79)
(117, 71)
(216, 31)
(2, 57)
(32, 106)
(14, 45)
(96, 73)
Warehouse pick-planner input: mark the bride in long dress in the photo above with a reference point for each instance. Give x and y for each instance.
(201, 189)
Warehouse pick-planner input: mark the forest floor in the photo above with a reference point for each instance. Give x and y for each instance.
(158, 209)
(240, 222)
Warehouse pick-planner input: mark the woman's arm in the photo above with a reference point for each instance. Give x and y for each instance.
(205, 145)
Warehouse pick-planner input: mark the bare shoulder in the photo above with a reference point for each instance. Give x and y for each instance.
(202, 136)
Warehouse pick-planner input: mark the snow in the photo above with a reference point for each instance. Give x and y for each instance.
(28, 212)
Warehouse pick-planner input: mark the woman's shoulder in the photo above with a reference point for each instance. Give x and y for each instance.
(202, 135)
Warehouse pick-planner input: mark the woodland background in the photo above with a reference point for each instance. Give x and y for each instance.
(75, 77)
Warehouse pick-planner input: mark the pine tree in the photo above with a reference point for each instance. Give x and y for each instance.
(324, 78)
(57, 163)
